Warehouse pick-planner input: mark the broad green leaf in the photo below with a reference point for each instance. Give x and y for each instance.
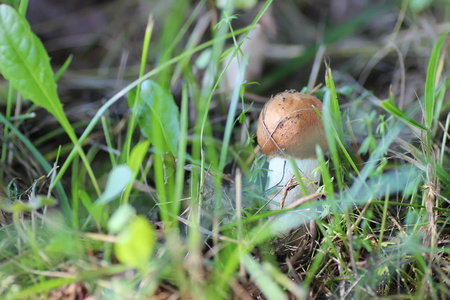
(135, 243)
(158, 116)
(393, 109)
(25, 63)
(118, 180)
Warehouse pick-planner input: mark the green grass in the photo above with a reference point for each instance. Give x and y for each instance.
(172, 206)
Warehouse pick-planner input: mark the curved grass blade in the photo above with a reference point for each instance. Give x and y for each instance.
(393, 109)
(64, 67)
(430, 85)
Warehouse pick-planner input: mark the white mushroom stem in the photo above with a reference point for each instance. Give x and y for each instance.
(281, 176)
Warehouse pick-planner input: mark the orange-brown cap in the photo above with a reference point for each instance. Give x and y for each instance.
(289, 125)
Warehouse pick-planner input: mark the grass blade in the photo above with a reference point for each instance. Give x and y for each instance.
(393, 109)
(47, 167)
(331, 139)
(334, 105)
(430, 85)
(262, 279)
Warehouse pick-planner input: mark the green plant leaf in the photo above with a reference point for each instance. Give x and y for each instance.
(158, 116)
(331, 134)
(137, 156)
(134, 163)
(430, 85)
(118, 180)
(64, 68)
(393, 109)
(334, 105)
(25, 63)
(135, 243)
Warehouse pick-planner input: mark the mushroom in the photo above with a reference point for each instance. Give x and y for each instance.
(290, 126)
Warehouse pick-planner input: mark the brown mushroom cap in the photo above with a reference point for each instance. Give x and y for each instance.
(289, 125)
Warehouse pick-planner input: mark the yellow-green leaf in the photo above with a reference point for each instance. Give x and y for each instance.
(135, 243)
